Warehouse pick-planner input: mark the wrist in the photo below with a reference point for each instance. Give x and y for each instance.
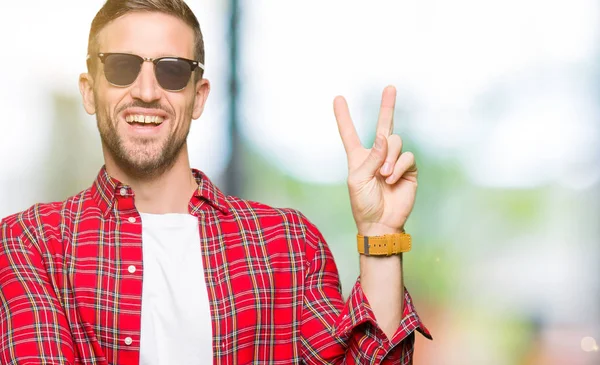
(378, 229)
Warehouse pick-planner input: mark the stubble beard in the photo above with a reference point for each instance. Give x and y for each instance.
(144, 158)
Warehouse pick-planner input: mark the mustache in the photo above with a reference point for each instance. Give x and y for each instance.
(143, 104)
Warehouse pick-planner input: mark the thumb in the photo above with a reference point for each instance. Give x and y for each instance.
(376, 157)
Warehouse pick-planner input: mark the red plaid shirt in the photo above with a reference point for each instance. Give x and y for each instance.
(68, 294)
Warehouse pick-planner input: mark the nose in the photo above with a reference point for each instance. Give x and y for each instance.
(146, 86)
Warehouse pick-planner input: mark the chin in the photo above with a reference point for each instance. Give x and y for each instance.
(143, 162)
(145, 169)
(146, 158)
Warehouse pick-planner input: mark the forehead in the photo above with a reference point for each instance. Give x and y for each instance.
(148, 34)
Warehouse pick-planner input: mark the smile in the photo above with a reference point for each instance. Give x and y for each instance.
(144, 119)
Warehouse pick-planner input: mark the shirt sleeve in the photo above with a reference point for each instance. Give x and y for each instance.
(357, 324)
(33, 326)
(338, 332)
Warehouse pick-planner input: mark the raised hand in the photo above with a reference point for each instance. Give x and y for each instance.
(382, 180)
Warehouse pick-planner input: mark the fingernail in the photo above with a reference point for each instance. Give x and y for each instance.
(387, 168)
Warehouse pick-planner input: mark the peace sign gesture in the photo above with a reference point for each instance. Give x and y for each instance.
(382, 180)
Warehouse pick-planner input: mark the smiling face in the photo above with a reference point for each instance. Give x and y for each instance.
(142, 126)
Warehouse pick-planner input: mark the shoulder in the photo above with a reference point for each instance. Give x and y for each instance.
(286, 223)
(45, 219)
(252, 216)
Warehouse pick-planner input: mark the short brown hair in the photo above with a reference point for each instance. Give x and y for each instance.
(114, 9)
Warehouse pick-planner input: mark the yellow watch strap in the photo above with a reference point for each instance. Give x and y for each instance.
(386, 245)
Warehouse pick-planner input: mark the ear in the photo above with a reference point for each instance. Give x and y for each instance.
(86, 88)
(202, 89)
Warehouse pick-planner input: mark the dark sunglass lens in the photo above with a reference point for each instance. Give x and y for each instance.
(122, 69)
(172, 73)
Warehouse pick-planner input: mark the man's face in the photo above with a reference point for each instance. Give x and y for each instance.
(144, 149)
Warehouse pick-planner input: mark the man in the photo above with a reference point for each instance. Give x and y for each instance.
(154, 265)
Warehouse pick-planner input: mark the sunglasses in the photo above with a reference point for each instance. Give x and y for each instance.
(172, 73)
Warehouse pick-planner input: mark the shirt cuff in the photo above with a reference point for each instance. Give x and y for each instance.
(358, 313)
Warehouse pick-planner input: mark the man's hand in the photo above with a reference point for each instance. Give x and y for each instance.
(382, 180)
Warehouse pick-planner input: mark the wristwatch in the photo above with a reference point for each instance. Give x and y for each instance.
(386, 245)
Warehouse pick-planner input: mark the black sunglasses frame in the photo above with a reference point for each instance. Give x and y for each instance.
(193, 65)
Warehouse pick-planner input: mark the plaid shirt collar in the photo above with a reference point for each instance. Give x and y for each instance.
(106, 190)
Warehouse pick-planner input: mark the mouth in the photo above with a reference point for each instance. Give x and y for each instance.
(144, 120)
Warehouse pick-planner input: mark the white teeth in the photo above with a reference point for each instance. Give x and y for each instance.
(146, 119)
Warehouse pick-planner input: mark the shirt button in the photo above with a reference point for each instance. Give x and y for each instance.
(123, 191)
(128, 341)
(131, 269)
(131, 219)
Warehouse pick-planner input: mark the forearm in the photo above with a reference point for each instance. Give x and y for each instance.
(382, 283)
(382, 183)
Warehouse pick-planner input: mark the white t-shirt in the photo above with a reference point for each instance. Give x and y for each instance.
(176, 323)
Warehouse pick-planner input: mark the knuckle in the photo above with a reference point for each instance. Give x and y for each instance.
(395, 138)
(408, 157)
(353, 180)
(395, 142)
(376, 155)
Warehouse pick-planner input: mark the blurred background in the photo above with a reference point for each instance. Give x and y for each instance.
(498, 99)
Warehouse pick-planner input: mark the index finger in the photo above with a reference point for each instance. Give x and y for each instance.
(346, 128)
(385, 123)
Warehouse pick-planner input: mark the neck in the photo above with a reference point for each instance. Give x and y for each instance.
(169, 192)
